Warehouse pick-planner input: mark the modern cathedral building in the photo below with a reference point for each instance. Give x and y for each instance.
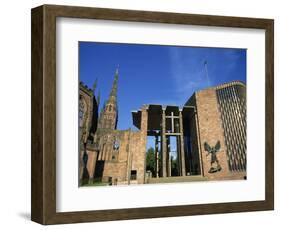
(209, 133)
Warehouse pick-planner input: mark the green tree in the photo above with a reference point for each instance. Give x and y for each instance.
(174, 166)
(150, 160)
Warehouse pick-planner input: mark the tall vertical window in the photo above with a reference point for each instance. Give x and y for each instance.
(232, 104)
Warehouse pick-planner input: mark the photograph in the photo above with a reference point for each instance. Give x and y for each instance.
(151, 114)
(142, 114)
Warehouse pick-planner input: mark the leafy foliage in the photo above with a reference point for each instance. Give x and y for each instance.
(150, 160)
(174, 166)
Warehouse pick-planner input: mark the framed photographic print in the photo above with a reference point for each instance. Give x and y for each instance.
(141, 114)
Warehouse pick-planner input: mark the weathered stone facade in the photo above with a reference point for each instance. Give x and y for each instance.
(88, 115)
(114, 156)
(205, 149)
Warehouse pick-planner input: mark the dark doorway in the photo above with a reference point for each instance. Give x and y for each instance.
(133, 174)
(99, 170)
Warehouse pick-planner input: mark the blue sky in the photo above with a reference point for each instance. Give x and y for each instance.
(154, 74)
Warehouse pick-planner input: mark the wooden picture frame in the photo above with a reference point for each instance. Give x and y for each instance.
(43, 189)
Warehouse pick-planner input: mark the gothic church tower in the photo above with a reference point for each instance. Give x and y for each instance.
(109, 114)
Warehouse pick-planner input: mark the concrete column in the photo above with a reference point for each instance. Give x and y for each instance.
(164, 144)
(170, 165)
(142, 171)
(156, 156)
(172, 122)
(183, 171)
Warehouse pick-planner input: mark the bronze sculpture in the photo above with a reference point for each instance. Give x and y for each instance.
(213, 151)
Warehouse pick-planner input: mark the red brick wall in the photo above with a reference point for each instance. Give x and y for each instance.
(211, 131)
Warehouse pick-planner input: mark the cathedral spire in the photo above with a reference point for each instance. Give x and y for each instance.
(113, 93)
(109, 114)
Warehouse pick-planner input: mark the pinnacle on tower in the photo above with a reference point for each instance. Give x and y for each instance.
(98, 99)
(117, 70)
(95, 86)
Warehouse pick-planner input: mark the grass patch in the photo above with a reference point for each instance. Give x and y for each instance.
(95, 183)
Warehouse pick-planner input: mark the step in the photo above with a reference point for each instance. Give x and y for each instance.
(175, 179)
